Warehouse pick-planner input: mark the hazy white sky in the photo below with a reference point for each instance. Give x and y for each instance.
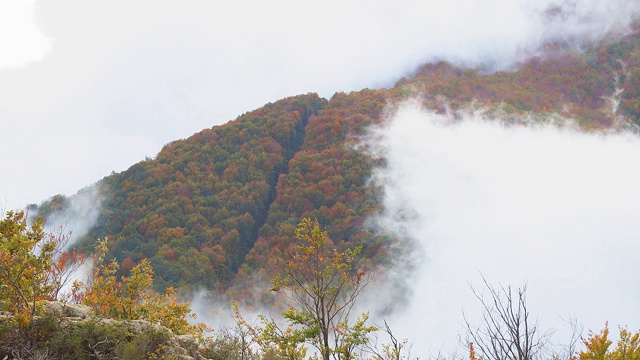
(87, 87)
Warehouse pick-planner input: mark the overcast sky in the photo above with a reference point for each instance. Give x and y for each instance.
(90, 87)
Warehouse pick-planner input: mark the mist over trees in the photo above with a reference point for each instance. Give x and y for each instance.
(206, 210)
(285, 192)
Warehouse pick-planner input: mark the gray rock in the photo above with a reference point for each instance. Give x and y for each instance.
(61, 309)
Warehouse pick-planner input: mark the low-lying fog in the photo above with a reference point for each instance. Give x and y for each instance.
(547, 205)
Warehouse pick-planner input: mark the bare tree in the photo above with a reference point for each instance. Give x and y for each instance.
(395, 349)
(506, 330)
(569, 350)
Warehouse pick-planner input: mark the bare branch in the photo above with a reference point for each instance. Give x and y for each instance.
(506, 330)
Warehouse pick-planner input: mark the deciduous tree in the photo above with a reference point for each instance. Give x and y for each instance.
(26, 254)
(323, 287)
(598, 346)
(132, 297)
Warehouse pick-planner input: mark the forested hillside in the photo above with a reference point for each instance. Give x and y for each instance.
(208, 211)
(563, 81)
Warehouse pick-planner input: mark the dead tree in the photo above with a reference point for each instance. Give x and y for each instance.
(506, 330)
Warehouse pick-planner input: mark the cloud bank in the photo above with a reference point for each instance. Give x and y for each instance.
(543, 204)
(122, 79)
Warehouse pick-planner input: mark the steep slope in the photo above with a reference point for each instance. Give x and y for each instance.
(327, 181)
(210, 209)
(196, 209)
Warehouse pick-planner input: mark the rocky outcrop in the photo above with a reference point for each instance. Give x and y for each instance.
(97, 337)
(60, 309)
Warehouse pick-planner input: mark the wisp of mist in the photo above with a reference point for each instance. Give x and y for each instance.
(79, 216)
(547, 205)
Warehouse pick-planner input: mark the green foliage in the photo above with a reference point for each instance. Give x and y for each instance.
(398, 349)
(26, 254)
(132, 297)
(350, 337)
(88, 339)
(288, 343)
(272, 340)
(195, 209)
(225, 347)
(323, 287)
(209, 210)
(327, 181)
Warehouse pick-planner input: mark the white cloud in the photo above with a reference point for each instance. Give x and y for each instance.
(21, 41)
(547, 205)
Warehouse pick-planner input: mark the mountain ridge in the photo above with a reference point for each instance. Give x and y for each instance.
(209, 210)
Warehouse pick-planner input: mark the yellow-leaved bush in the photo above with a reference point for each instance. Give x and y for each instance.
(132, 297)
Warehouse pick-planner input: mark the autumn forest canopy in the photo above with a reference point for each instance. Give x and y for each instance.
(206, 210)
(249, 202)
